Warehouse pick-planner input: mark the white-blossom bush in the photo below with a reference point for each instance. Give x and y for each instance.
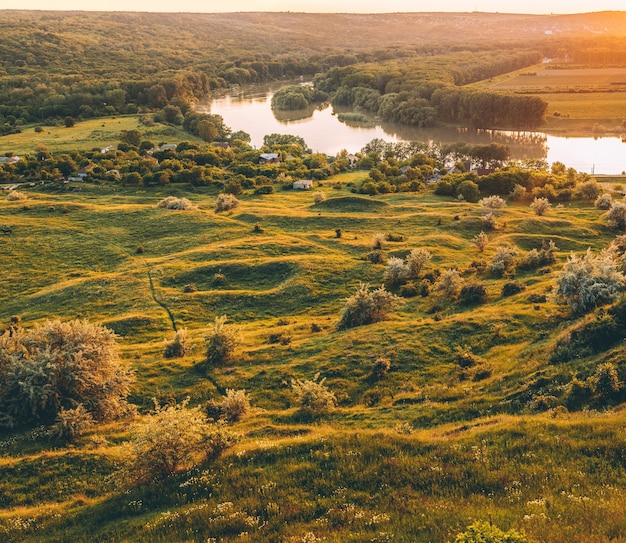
(492, 202)
(418, 260)
(617, 216)
(312, 396)
(588, 281)
(15, 195)
(234, 405)
(396, 272)
(225, 202)
(481, 240)
(179, 346)
(540, 206)
(171, 438)
(604, 201)
(179, 204)
(366, 306)
(503, 260)
(449, 283)
(60, 366)
(221, 341)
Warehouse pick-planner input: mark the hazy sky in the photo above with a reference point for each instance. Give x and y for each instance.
(323, 6)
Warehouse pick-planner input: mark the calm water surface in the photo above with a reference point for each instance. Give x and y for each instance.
(249, 109)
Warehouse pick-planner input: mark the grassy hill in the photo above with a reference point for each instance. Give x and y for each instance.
(415, 455)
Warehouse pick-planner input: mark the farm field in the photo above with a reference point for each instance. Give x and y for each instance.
(580, 100)
(417, 454)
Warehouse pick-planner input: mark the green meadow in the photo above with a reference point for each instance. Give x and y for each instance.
(414, 456)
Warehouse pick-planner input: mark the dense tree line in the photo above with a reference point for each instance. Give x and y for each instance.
(426, 91)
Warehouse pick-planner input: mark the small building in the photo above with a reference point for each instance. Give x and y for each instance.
(221, 144)
(303, 184)
(85, 171)
(168, 146)
(9, 159)
(269, 158)
(353, 160)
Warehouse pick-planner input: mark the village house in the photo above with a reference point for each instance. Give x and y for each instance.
(269, 158)
(303, 184)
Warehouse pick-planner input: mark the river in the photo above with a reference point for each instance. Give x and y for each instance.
(249, 109)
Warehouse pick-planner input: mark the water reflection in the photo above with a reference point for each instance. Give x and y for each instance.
(249, 109)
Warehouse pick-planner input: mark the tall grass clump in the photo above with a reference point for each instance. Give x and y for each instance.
(366, 306)
(178, 204)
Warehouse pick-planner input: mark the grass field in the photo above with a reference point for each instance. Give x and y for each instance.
(416, 456)
(87, 135)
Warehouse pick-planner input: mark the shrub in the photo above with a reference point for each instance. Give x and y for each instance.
(171, 438)
(617, 216)
(366, 306)
(380, 368)
(484, 532)
(234, 405)
(512, 288)
(180, 204)
(225, 202)
(312, 397)
(71, 423)
(394, 238)
(15, 195)
(578, 393)
(221, 341)
(264, 189)
(378, 241)
(490, 221)
(517, 193)
(606, 382)
(59, 366)
(375, 257)
(410, 290)
(535, 259)
(318, 197)
(589, 190)
(449, 283)
(396, 272)
(503, 260)
(190, 287)
(475, 293)
(540, 206)
(604, 201)
(589, 281)
(179, 346)
(417, 260)
(481, 240)
(492, 202)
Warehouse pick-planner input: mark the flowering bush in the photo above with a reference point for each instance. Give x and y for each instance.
(225, 202)
(366, 306)
(312, 396)
(61, 369)
(180, 204)
(588, 281)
